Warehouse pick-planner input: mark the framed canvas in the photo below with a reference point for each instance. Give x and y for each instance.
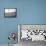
(10, 12)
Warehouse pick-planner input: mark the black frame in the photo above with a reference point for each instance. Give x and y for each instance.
(10, 16)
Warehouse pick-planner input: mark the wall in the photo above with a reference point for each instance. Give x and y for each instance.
(28, 12)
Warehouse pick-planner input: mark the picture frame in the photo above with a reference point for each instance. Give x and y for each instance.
(33, 29)
(10, 12)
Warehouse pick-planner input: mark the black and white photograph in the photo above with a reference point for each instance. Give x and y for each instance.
(10, 12)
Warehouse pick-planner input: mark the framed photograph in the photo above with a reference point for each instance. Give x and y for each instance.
(10, 12)
(33, 32)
